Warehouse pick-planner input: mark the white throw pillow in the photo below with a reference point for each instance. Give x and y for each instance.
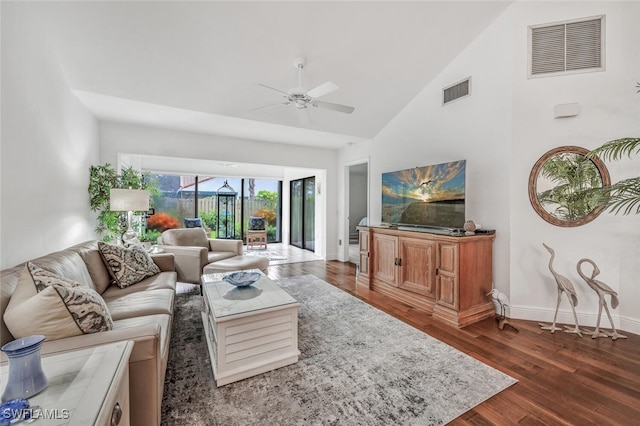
(45, 303)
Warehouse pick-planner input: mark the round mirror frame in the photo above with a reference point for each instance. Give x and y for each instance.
(533, 182)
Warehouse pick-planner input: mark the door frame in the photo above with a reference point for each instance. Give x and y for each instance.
(347, 200)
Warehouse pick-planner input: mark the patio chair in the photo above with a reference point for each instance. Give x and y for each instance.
(257, 232)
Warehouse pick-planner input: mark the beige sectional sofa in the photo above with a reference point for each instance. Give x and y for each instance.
(142, 313)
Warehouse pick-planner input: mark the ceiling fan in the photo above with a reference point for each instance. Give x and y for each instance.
(302, 98)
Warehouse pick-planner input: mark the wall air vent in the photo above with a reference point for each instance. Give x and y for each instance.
(456, 91)
(566, 47)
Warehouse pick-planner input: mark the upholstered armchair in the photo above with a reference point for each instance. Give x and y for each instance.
(193, 250)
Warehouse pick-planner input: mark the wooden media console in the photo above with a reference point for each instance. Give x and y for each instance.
(448, 276)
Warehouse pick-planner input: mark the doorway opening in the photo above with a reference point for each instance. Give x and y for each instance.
(358, 205)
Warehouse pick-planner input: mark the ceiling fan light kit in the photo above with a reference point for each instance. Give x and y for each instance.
(302, 98)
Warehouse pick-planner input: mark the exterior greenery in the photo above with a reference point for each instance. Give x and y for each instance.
(210, 219)
(624, 196)
(576, 190)
(111, 225)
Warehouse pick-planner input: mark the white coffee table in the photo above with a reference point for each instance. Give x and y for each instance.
(249, 330)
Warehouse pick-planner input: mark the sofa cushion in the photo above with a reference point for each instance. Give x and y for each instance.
(237, 263)
(97, 269)
(163, 280)
(216, 256)
(140, 303)
(59, 307)
(127, 265)
(141, 330)
(195, 237)
(66, 263)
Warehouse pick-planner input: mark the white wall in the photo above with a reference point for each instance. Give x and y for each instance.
(119, 138)
(609, 109)
(476, 129)
(49, 140)
(503, 128)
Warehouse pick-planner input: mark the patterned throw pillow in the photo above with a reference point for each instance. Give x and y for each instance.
(58, 307)
(193, 222)
(127, 265)
(257, 223)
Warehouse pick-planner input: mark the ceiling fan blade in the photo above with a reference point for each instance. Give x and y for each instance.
(269, 106)
(334, 107)
(273, 88)
(323, 89)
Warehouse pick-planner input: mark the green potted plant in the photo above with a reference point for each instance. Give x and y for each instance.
(624, 196)
(111, 225)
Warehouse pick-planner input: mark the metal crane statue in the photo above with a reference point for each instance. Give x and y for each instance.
(500, 299)
(564, 286)
(602, 290)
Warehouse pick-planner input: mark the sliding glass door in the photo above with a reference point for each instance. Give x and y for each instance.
(183, 197)
(261, 198)
(303, 222)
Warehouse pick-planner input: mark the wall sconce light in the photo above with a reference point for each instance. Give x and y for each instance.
(565, 110)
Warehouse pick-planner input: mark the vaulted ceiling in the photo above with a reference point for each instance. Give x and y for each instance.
(198, 65)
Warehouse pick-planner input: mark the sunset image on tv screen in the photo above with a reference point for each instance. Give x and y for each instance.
(429, 195)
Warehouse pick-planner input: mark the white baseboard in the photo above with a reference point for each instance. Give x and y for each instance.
(332, 256)
(631, 325)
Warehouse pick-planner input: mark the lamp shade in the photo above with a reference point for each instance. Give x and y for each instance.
(124, 200)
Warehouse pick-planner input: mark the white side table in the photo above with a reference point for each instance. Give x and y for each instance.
(86, 386)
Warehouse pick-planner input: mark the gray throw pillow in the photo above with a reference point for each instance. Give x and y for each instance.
(257, 223)
(193, 222)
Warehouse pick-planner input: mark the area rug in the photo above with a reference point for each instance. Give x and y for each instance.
(358, 366)
(271, 255)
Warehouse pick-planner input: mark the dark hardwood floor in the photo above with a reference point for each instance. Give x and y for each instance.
(563, 379)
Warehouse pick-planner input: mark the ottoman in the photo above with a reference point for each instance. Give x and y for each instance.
(237, 263)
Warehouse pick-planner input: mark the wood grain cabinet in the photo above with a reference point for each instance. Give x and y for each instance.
(362, 279)
(385, 258)
(447, 276)
(416, 261)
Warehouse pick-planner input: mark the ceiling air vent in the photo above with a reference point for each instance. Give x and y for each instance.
(566, 47)
(456, 91)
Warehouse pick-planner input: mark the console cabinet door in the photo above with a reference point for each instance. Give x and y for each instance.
(385, 259)
(363, 246)
(417, 266)
(447, 275)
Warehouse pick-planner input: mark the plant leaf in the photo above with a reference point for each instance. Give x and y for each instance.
(616, 149)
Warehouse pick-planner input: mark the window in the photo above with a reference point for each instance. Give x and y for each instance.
(566, 47)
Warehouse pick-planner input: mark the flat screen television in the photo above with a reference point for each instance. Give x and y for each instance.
(430, 196)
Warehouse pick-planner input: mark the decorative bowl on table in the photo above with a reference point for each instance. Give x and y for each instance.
(242, 278)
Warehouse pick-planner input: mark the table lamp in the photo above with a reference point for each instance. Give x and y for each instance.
(129, 200)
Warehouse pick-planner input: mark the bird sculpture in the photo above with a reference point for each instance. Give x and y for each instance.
(564, 286)
(500, 300)
(602, 290)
